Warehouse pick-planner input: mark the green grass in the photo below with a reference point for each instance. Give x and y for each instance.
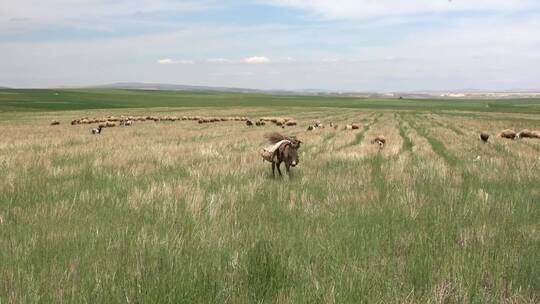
(14, 100)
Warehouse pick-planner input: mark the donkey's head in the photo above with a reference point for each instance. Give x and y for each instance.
(290, 154)
(295, 142)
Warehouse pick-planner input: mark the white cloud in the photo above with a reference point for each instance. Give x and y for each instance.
(219, 60)
(171, 61)
(95, 14)
(350, 9)
(257, 60)
(329, 60)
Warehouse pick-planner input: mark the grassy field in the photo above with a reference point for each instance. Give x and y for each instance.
(12, 100)
(179, 212)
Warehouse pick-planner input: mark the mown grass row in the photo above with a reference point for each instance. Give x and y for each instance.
(359, 136)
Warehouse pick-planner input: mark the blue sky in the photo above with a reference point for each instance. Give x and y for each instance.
(363, 45)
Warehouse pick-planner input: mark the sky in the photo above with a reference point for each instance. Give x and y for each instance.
(343, 45)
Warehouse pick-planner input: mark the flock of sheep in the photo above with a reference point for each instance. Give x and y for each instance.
(511, 134)
(113, 121)
(278, 121)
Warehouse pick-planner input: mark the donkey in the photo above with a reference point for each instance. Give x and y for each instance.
(284, 149)
(287, 154)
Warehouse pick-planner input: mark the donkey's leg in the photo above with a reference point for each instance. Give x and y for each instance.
(278, 169)
(287, 167)
(273, 169)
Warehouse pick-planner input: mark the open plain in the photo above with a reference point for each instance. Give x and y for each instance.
(181, 212)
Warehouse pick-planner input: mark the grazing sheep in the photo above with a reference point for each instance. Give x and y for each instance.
(318, 124)
(128, 123)
(291, 123)
(528, 134)
(484, 137)
(355, 126)
(280, 122)
(310, 128)
(55, 123)
(110, 124)
(380, 140)
(276, 120)
(348, 127)
(97, 130)
(249, 123)
(260, 123)
(510, 134)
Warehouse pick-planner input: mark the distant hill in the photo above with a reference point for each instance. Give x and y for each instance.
(180, 87)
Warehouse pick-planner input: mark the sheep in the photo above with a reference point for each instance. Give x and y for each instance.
(484, 137)
(348, 127)
(380, 140)
(510, 134)
(249, 123)
(291, 123)
(310, 128)
(355, 126)
(528, 134)
(110, 124)
(128, 123)
(276, 120)
(55, 123)
(280, 122)
(97, 130)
